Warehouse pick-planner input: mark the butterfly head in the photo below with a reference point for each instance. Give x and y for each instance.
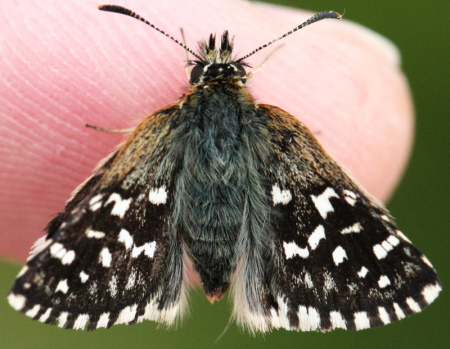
(217, 64)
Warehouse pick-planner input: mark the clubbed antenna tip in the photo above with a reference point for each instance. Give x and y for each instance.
(317, 17)
(127, 12)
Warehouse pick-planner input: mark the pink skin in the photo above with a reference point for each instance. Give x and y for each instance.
(63, 66)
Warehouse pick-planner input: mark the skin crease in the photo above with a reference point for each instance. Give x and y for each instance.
(63, 66)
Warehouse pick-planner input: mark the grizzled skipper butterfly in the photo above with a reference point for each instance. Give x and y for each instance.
(243, 192)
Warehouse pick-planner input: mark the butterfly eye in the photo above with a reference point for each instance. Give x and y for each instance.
(197, 72)
(242, 71)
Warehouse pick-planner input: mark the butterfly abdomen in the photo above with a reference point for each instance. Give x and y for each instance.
(215, 181)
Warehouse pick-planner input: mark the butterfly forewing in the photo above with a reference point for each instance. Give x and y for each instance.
(112, 256)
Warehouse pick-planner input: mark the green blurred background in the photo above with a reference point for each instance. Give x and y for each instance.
(421, 31)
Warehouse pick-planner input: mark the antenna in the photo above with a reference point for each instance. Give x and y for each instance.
(127, 12)
(317, 17)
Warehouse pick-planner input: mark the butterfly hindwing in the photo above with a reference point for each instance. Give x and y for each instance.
(348, 267)
(111, 256)
(336, 259)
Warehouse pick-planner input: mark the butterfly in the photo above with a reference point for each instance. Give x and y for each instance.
(241, 192)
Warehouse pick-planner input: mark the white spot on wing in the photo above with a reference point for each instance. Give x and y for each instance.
(309, 318)
(33, 311)
(44, 317)
(350, 197)
(55, 248)
(363, 272)
(148, 249)
(22, 271)
(95, 203)
(350, 194)
(427, 262)
(387, 246)
(280, 318)
(322, 202)
(125, 237)
(62, 319)
(158, 195)
(68, 257)
(328, 282)
(17, 301)
(430, 292)
(84, 277)
(126, 315)
(131, 280)
(92, 234)
(350, 201)
(113, 286)
(80, 322)
(384, 316)
(339, 255)
(379, 251)
(58, 251)
(95, 207)
(105, 257)
(361, 321)
(393, 240)
(62, 286)
(152, 312)
(355, 228)
(61, 253)
(399, 233)
(280, 196)
(314, 318)
(399, 312)
(413, 305)
(120, 206)
(385, 218)
(303, 318)
(291, 249)
(337, 320)
(103, 320)
(316, 236)
(384, 281)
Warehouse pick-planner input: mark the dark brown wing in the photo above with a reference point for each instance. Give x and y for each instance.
(112, 255)
(335, 258)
